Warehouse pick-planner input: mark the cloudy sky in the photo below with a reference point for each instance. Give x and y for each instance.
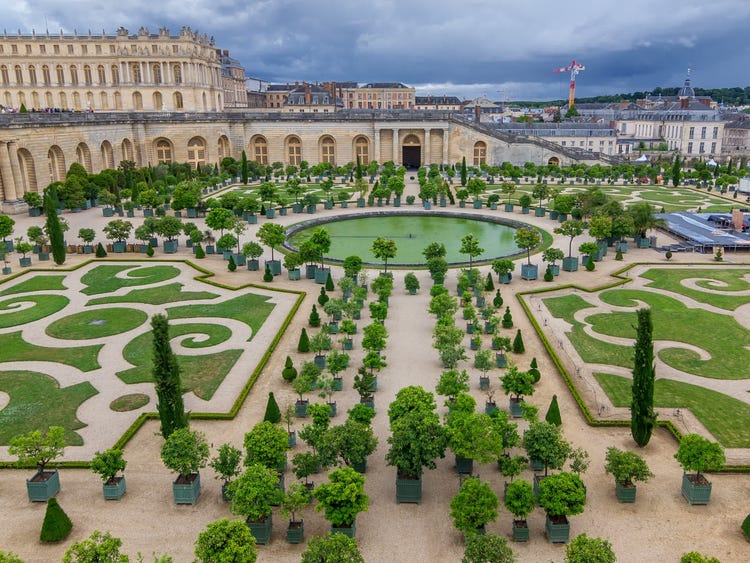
(498, 48)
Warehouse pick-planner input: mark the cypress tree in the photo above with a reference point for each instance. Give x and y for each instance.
(676, 171)
(642, 416)
(463, 171)
(314, 319)
(518, 346)
(304, 342)
(166, 374)
(553, 413)
(273, 414)
(489, 285)
(149, 250)
(243, 167)
(289, 373)
(56, 525)
(329, 283)
(54, 232)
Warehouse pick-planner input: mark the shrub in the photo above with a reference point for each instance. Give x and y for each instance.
(290, 372)
(273, 414)
(56, 525)
(199, 252)
(97, 547)
(323, 297)
(507, 319)
(304, 342)
(497, 301)
(548, 277)
(486, 548)
(314, 319)
(584, 549)
(553, 413)
(232, 266)
(333, 548)
(590, 264)
(618, 254)
(695, 557)
(149, 250)
(518, 346)
(668, 255)
(226, 540)
(100, 252)
(534, 370)
(329, 283)
(267, 275)
(489, 285)
(746, 527)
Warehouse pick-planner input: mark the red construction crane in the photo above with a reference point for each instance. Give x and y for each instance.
(574, 68)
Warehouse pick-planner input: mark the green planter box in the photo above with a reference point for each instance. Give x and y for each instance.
(554, 214)
(408, 490)
(170, 246)
(515, 408)
(625, 493)
(524, 210)
(464, 466)
(300, 409)
(623, 246)
(333, 408)
(274, 267)
(539, 211)
(508, 207)
(310, 270)
(338, 383)
(108, 212)
(348, 343)
(570, 264)
(562, 217)
(535, 464)
(297, 208)
(270, 213)
(292, 439)
(311, 209)
(484, 383)
(115, 490)
(695, 493)
(360, 467)
(24, 262)
(529, 271)
(187, 493)
(295, 532)
(43, 256)
(118, 247)
(320, 361)
(477, 204)
(43, 486)
(294, 275)
(350, 531)
(644, 242)
(253, 265)
(557, 532)
(321, 275)
(261, 531)
(505, 278)
(239, 259)
(490, 407)
(520, 531)
(501, 360)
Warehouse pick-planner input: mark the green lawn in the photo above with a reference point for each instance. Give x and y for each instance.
(725, 417)
(170, 293)
(201, 374)
(13, 348)
(96, 323)
(45, 305)
(36, 401)
(719, 335)
(250, 308)
(36, 283)
(102, 279)
(130, 402)
(670, 279)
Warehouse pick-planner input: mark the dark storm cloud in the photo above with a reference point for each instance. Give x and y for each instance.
(460, 48)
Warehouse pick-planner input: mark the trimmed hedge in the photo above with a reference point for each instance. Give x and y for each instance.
(56, 525)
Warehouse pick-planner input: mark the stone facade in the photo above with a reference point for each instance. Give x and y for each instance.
(38, 148)
(121, 72)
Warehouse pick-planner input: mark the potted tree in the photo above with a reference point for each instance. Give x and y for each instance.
(546, 446)
(517, 384)
(6, 229)
(342, 498)
(411, 283)
(520, 501)
(504, 268)
(252, 250)
(526, 239)
(226, 464)
(40, 448)
(253, 494)
(451, 383)
(35, 203)
(185, 451)
(590, 251)
(561, 495)
(292, 262)
(319, 343)
(24, 248)
(266, 444)
(304, 383)
(118, 232)
(107, 465)
(474, 506)
(296, 498)
(698, 454)
(626, 468)
(525, 202)
(508, 188)
(570, 228)
(37, 236)
(471, 436)
(551, 256)
(272, 235)
(87, 236)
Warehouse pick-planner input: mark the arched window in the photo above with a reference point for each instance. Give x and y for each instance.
(48, 100)
(19, 75)
(223, 147)
(21, 99)
(103, 101)
(8, 99)
(87, 75)
(294, 151)
(178, 101)
(137, 101)
(46, 76)
(108, 157)
(115, 74)
(118, 101)
(328, 150)
(28, 173)
(362, 150)
(177, 74)
(156, 72)
(480, 153)
(32, 75)
(90, 100)
(76, 101)
(158, 101)
(63, 101)
(127, 150)
(135, 73)
(196, 149)
(100, 74)
(83, 156)
(73, 75)
(56, 162)
(35, 100)
(163, 151)
(260, 150)
(4, 75)
(60, 75)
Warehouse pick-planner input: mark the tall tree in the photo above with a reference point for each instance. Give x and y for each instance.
(166, 374)
(470, 246)
(54, 231)
(642, 416)
(383, 249)
(676, 171)
(463, 171)
(243, 168)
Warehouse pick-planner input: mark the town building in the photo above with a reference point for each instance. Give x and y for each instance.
(447, 103)
(384, 95)
(233, 82)
(311, 98)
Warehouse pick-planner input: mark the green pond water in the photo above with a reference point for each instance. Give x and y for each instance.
(412, 234)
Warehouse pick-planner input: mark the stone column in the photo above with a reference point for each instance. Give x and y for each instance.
(396, 158)
(376, 146)
(445, 147)
(427, 157)
(9, 187)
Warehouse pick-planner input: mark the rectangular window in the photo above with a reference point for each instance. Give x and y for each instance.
(14, 49)
(56, 49)
(691, 135)
(42, 49)
(98, 49)
(703, 132)
(690, 148)
(713, 148)
(28, 49)
(84, 49)
(716, 133)
(702, 148)
(70, 49)
(112, 50)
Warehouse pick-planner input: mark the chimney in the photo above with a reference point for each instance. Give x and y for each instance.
(333, 91)
(226, 52)
(307, 94)
(477, 113)
(684, 103)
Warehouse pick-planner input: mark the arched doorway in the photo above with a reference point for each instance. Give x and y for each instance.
(554, 161)
(411, 152)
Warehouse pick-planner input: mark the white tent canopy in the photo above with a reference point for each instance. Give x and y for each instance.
(642, 158)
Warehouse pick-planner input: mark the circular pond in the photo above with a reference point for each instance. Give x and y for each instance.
(354, 235)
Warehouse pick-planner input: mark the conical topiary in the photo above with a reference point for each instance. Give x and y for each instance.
(100, 252)
(267, 275)
(289, 373)
(262, 208)
(273, 414)
(232, 265)
(304, 342)
(590, 264)
(618, 254)
(497, 301)
(489, 285)
(518, 346)
(314, 319)
(199, 252)
(329, 283)
(56, 525)
(323, 297)
(553, 413)
(534, 370)
(507, 319)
